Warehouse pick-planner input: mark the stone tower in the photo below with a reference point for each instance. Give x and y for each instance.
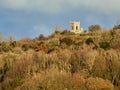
(75, 27)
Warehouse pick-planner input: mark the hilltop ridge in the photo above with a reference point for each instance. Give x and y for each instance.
(62, 61)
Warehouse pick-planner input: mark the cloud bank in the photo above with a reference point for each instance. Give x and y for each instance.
(59, 6)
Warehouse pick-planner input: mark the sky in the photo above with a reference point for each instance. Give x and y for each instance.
(30, 18)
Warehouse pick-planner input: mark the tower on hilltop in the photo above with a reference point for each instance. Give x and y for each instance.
(75, 27)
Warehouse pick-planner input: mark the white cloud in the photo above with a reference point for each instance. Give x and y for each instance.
(58, 6)
(45, 6)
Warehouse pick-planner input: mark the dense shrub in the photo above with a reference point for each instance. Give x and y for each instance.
(94, 28)
(42, 37)
(105, 45)
(4, 47)
(89, 41)
(42, 47)
(67, 41)
(65, 32)
(25, 47)
(98, 84)
(13, 44)
(107, 66)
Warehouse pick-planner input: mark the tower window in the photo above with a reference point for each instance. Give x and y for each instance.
(76, 27)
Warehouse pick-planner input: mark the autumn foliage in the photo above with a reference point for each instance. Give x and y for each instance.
(62, 61)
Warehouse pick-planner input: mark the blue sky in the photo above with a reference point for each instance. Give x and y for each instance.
(29, 18)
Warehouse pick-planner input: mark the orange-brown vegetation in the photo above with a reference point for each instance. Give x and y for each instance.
(62, 61)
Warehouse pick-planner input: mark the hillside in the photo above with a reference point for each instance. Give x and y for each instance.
(62, 61)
